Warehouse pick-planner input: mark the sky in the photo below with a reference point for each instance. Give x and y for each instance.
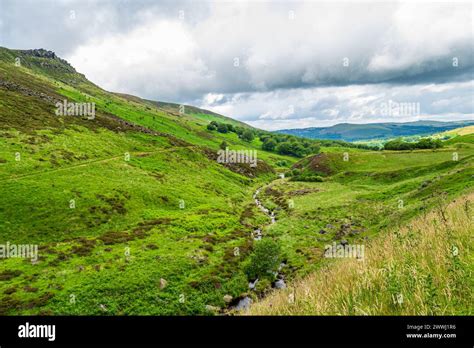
(274, 65)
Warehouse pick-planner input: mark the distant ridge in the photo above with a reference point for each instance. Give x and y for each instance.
(371, 131)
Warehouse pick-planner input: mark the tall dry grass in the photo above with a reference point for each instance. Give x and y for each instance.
(425, 268)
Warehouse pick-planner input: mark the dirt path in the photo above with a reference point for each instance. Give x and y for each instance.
(83, 164)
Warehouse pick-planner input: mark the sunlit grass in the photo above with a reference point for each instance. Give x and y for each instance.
(424, 268)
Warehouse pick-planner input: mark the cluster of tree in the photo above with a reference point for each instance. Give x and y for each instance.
(285, 144)
(425, 143)
(243, 133)
(288, 145)
(282, 144)
(298, 175)
(341, 143)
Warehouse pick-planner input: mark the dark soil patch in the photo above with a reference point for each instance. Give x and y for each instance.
(39, 301)
(113, 237)
(270, 191)
(318, 164)
(7, 304)
(302, 192)
(9, 274)
(10, 290)
(85, 247)
(241, 168)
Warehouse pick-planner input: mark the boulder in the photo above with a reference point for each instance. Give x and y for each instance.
(253, 284)
(228, 298)
(163, 283)
(280, 284)
(243, 304)
(354, 232)
(212, 308)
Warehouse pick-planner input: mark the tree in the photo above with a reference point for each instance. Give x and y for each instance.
(247, 135)
(222, 128)
(264, 260)
(397, 144)
(428, 143)
(239, 130)
(314, 149)
(223, 145)
(292, 149)
(284, 148)
(269, 144)
(211, 127)
(298, 150)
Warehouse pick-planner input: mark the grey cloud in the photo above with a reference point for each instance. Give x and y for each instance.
(62, 25)
(332, 105)
(144, 48)
(274, 52)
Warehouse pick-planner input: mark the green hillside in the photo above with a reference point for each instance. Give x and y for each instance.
(126, 172)
(422, 268)
(133, 214)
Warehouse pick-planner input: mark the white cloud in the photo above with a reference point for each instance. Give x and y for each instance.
(186, 59)
(157, 58)
(357, 104)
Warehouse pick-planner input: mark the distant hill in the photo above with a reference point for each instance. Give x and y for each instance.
(369, 131)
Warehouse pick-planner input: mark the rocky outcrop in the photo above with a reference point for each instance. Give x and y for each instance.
(40, 52)
(48, 55)
(10, 86)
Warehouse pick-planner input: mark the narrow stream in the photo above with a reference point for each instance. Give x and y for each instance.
(257, 235)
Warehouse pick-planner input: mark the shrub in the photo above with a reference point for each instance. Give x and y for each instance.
(269, 144)
(247, 135)
(284, 148)
(211, 127)
(222, 128)
(425, 143)
(295, 172)
(263, 285)
(307, 178)
(223, 145)
(264, 260)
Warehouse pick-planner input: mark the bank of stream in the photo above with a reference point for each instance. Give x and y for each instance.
(257, 235)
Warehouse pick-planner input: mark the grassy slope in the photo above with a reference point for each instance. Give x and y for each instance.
(365, 193)
(459, 131)
(424, 268)
(119, 204)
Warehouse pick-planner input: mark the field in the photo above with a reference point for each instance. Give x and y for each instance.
(102, 201)
(459, 131)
